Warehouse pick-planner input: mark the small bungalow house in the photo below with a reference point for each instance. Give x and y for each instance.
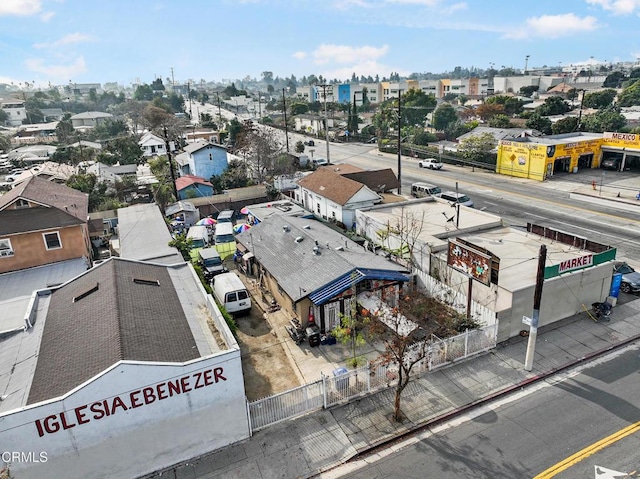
(315, 272)
(334, 197)
(112, 173)
(152, 145)
(191, 186)
(183, 211)
(89, 119)
(203, 159)
(42, 222)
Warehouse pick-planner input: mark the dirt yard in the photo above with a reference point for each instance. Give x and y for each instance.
(266, 367)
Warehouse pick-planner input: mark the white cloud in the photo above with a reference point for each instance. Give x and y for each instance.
(346, 54)
(57, 72)
(619, 7)
(300, 55)
(46, 16)
(553, 26)
(66, 40)
(20, 7)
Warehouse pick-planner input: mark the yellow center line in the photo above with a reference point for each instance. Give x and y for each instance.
(588, 451)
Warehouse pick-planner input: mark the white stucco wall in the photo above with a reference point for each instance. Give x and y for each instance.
(146, 429)
(562, 297)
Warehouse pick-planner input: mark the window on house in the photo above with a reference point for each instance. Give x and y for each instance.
(52, 240)
(5, 248)
(22, 203)
(318, 207)
(333, 215)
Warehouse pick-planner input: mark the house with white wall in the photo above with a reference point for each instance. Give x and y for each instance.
(333, 197)
(152, 145)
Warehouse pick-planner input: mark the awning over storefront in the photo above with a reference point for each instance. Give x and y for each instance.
(345, 282)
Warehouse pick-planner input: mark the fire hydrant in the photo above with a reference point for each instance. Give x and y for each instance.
(593, 184)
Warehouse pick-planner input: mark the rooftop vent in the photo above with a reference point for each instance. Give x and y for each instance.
(316, 250)
(285, 228)
(86, 293)
(147, 281)
(298, 239)
(307, 227)
(340, 248)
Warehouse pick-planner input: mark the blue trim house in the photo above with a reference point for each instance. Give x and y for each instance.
(315, 272)
(203, 159)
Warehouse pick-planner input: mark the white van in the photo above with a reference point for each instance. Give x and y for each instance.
(454, 197)
(423, 190)
(225, 240)
(199, 236)
(231, 293)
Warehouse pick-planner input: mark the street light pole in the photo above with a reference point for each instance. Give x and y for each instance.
(286, 129)
(326, 120)
(399, 145)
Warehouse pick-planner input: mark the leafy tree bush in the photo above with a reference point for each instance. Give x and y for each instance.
(565, 125)
(607, 119)
(500, 121)
(444, 116)
(599, 99)
(630, 96)
(540, 123)
(424, 138)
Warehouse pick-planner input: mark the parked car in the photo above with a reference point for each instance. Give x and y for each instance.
(454, 197)
(422, 190)
(317, 162)
(310, 143)
(431, 163)
(610, 164)
(630, 278)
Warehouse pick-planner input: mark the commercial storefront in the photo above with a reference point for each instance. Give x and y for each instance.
(541, 158)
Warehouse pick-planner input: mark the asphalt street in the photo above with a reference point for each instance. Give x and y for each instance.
(528, 433)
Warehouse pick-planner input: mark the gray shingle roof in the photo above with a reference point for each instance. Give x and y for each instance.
(82, 338)
(33, 219)
(295, 266)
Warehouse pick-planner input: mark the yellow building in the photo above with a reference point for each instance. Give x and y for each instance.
(538, 158)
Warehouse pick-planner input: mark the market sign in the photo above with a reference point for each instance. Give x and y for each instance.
(575, 263)
(581, 262)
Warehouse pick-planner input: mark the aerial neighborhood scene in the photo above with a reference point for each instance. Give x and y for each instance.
(368, 238)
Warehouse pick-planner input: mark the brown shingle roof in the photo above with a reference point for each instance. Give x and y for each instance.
(377, 180)
(331, 185)
(121, 320)
(49, 193)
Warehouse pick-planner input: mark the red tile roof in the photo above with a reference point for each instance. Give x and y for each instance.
(188, 180)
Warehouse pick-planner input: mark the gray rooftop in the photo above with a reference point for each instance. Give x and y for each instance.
(16, 288)
(262, 211)
(293, 263)
(112, 318)
(144, 235)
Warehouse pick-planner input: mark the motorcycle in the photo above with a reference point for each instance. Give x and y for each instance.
(602, 310)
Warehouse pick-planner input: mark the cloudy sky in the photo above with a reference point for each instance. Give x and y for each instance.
(58, 41)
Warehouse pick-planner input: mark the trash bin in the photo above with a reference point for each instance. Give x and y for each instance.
(313, 335)
(342, 380)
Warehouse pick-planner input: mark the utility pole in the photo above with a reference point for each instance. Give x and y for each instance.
(326, 120)
(537, 297)
(399, 145)
(173, 82)
(284, 110)
(526, 64)
(189, 96)
(173, 175)
(219, 112)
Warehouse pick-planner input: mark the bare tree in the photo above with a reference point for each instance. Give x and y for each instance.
(262, 153)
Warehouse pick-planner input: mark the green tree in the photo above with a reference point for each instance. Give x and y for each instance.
(444, 116)
(500, 121)
(163, 194)
(143, 93)
(416, 105)
(299, 146)
(5, 143)
(553, 105)
(88, 183)
(614, 80)
(477, 148)
(424, 138)
(540, 123)
(157, 85)
(630, 96)
(511, 105)
(529, 90)
(3, 116)
(568, 124)
(235, 176)
(126, 149)
(299, 108)
(182, 244)
(607, 119)
(599, 99)
(110, 128)
(64, 129)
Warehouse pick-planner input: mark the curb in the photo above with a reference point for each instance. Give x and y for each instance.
(382, 443)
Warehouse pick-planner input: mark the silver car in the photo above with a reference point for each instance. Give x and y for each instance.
(454, 197)
(630, 278)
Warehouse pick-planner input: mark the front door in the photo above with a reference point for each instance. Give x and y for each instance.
(331, 316)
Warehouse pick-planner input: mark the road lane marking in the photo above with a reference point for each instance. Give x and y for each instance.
(588, 451)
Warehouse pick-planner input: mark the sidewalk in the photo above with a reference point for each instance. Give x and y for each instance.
(317, 442)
